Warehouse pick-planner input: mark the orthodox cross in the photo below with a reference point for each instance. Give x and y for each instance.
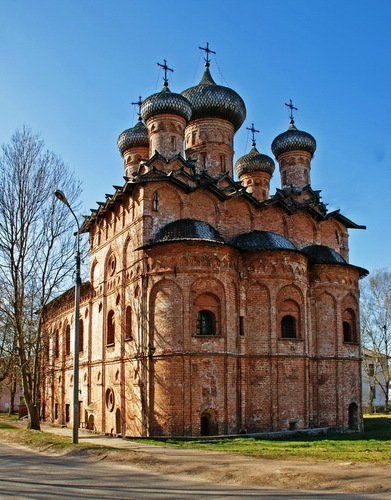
(253, 131)
(166, 68)
(291, 107)
(138, 103)
(208, 51)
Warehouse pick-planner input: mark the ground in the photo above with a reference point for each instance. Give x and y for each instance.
(228, 468)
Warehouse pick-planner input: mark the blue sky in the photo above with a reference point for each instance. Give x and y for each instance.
(69, 71)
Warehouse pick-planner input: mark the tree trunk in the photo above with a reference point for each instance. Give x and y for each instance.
(34, 422)
(12, 397)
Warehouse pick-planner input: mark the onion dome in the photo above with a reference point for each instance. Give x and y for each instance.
(262, 240)
(321, 254)
(293, 140)
(134, 137)
(166, 102)
(209, 100)
(254, 161)
(187, 229)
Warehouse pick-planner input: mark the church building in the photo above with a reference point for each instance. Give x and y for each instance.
(212, 307)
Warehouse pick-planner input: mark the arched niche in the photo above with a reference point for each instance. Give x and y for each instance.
(166, 317)
(257, 319)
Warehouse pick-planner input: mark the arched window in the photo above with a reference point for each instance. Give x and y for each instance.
(222, 163)
(349, 326)
(110, 328)
(207, 315)
(128, 323)
(206, 323)
(81, 335)
(288, 327)
(347, 332)
(67, 340)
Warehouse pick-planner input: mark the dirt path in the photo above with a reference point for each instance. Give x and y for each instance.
(229, 468)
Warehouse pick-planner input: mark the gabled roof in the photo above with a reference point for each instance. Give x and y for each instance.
(344, 220)
(182, 173)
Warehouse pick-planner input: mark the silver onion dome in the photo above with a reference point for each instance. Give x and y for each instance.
(293, 140)
(208, 99)
(166, 102)
(254, 161)
(134, 137)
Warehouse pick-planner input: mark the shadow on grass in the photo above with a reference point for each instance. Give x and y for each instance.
(7, 427)
(375, 428)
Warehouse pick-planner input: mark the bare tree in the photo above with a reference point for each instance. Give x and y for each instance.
(36, 250)
(376, 328)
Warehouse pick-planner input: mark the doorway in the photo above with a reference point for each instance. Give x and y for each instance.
(353, 417)
(208, 423)
(118, 422)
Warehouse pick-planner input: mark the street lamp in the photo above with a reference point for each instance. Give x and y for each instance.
(75, 430)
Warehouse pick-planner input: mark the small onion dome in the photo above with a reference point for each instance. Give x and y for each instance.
(262, 240)
(166, 102)
(254, 161)
(135, 137)
(187, 229)
(209, 100)
(293, 140)
(321, 254)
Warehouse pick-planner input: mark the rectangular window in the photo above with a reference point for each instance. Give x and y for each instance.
(55, 411)
(67, 413)
(371, 370)
(241, 326)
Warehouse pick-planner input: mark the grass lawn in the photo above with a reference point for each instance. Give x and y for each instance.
(372, 445)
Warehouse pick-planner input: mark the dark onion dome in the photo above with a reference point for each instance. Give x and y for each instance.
(254, 161)
(321, 254)
(165, 102)
(293, 140)
(134, 137)
(187, 229)
(262, 240)
(209, 100)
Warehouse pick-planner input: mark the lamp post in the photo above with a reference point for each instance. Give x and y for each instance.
(75, 429)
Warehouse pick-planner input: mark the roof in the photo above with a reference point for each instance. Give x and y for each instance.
(187, 229)
(321, 254)
(181, 173)
(262, 240)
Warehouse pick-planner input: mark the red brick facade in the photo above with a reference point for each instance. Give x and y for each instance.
(211, 309)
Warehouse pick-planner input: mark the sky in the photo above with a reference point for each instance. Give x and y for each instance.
(70, 69)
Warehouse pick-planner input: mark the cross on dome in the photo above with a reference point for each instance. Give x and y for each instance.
(291, 108)
(253, 132)
(165, 68)
(208, 51)
(138, 103)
